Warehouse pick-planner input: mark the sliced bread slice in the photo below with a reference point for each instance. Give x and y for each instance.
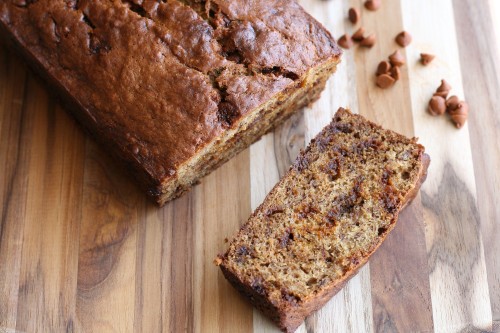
(323, 220)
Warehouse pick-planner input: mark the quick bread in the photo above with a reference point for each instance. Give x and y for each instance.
(174, 88)
(324, 219)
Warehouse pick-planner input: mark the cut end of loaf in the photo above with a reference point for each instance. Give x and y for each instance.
(324, 218)
(305, 91)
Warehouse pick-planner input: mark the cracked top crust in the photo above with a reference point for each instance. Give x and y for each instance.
(160, 79)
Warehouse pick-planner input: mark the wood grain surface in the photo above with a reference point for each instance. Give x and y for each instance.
(83, 250)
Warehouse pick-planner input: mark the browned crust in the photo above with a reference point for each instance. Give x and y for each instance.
(288, 317)
(160, 185)
(283, 106)
(80, 113)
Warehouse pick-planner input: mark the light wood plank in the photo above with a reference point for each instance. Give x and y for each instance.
(351, 309)
(459, 285)
(399, 280)
(221, 206)
(477, 40)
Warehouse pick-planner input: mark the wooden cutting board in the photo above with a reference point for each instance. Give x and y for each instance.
(82, 249)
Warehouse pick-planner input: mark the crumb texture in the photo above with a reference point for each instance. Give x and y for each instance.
(332, 209)
(161, 79)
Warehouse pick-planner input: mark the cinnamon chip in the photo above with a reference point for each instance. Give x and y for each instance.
(426, 58)
(397, 59)
(388, 72)
(353, 15)
(383, 68)
(403, 39)
(452, 103)
(443, 90)
(385, 81)
(345, 42)
(460, 114)
(395, 73)
(443, 93)
(372, 4)
(445, 86)
(359, 34)
(368, 41)
(437, 106)
(456, 109)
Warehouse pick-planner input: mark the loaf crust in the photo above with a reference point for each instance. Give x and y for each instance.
(243, 269)
(174, 88)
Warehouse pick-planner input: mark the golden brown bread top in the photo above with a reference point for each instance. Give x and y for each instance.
(325, 217)
(160, 79)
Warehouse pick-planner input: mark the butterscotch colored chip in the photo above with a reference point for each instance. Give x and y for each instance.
(397, 59)
(353, 15)
(345, 42)
(452, 103)
(385, 81)
(445, 86)
(460, 114)
(443, 93)
(368, 41)
(403, 39)
(426, 58)
(372, 4)
(437, 106)
(395, 73)
(359, 34)
(383, 67)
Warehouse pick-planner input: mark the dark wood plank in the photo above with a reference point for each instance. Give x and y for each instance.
(14, 163)
(397, 293)
(221, 206)
(480, 62)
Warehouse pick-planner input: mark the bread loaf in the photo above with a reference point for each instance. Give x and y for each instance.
(174, 88)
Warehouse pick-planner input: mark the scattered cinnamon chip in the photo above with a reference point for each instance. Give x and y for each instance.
(452, 102)
(359, 34)
(397, 59)
(443, 93)
(368, 41)
(426, 58)
(385, 81)
(372, 4)
(395, 73)
(403, 39)
(345, 41)
(445, 86)
(383, 68)
(443, 90)
(457, 110)
(437, 106)
(460, 114)
(353, 15)
(390, 69)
